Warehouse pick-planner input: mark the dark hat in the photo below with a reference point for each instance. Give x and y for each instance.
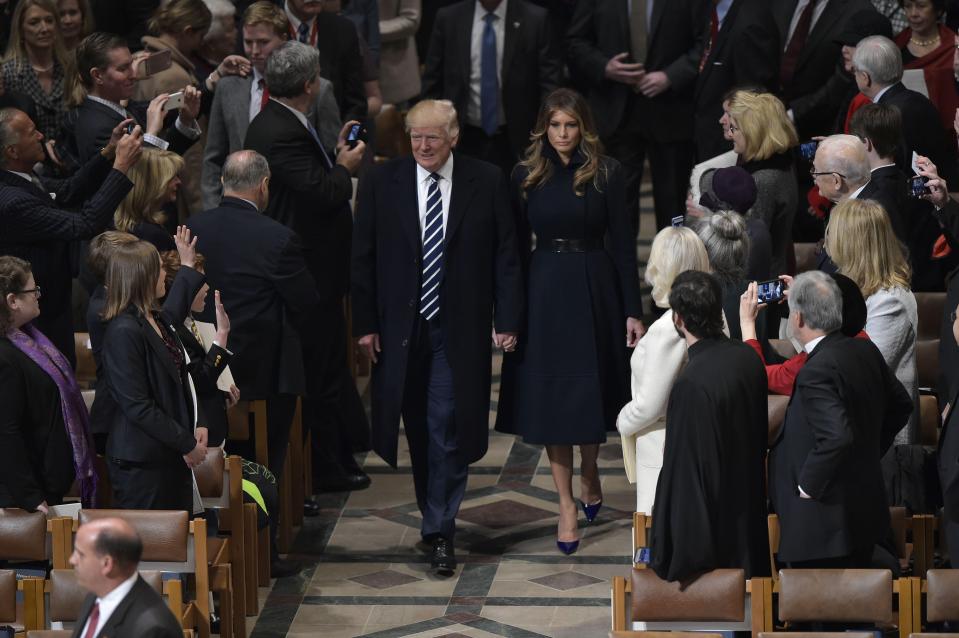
(853, 306)
(862, 25)
(734, 189)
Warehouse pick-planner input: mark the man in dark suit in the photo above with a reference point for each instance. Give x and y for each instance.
(811, 79)
(127, 18)
(257, 265)
(878, 64)
(741, 50)
(340, 59)
(311, 195)
(36, 220)
(948, 455)
(105, 556)
(108, 74)
(435, 268)
(824, 470)
(495, 62)
(638, 61)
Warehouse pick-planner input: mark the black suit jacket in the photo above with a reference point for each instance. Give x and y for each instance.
(88, 127)
(127, 18)
(599, 30)
(531, 67)
(36, 456)
(819, 82)
(887, 185)
(306, 195)
(922, 131)
(154, 419)
(482, 280)
(257, 265)
(37, 228)
(141, 613)
(948, 461)
(844, 412)
(746, 53)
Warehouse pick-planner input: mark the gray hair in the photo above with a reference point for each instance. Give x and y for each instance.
(879, 58)
(845, 155)
(815, 296)
(290, 67)
(219, 9)
(727, 244)
(243, 171)
(8, 137)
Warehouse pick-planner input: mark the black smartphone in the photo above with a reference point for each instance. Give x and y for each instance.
(130, 127)
(771, 291)
(808, 150)
(917, 186)
(355, 135)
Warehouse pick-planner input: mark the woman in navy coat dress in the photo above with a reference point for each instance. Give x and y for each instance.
(569, 375)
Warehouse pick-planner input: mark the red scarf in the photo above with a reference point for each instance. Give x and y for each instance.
(937, 70)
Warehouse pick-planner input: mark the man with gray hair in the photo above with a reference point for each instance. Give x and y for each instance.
(841, 168)
(877, 67)
(824, 468)
(257, 264)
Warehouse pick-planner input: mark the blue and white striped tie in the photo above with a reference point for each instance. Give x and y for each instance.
(432, 251)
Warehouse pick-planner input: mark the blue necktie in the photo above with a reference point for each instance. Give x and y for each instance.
(304, 32)
(316, 137)
(489, 85)
(432, 251)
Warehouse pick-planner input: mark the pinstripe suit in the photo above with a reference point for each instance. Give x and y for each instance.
(40, 228)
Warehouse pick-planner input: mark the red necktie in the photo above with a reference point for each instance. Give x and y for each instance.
(713, 32)
(796, 44)
(93, 622)
(266, 95)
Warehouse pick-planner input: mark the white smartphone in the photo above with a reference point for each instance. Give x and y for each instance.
(175, 101)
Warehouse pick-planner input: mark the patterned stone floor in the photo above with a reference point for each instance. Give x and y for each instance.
(365, 576)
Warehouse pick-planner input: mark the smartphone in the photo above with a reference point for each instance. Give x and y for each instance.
(355, 135)
(175, 101)
(771, 291)
(808, 150)
(154, 63)
(917, 186)
(130, 127)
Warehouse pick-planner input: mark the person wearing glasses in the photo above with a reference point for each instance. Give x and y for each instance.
(45, 441)
(763, 136)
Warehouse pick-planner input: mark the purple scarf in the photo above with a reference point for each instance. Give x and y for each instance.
(31, 342)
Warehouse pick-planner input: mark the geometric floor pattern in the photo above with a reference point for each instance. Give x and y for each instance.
(366, 577)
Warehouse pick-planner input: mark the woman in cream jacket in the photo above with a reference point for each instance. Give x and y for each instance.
(656, 362)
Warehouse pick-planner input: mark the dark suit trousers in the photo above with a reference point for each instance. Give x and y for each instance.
(428, 417)
(494, 149)
(142, 487)
(669, 162)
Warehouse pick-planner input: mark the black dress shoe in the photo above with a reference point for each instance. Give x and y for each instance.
(443, 557)
(341, 482)
(280, 568)
(311, 507)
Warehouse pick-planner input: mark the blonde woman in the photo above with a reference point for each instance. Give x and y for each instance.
(658, 359)
(762, 137)
(568, 378)
(156, 179)
(36, 63)
(861, 242)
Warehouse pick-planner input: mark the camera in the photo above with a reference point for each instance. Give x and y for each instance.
(355, 135)
(917, 186)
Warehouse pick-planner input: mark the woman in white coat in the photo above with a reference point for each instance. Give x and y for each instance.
(656, 362)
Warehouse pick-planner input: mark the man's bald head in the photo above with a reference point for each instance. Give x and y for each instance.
(116, 538)
(845, 163)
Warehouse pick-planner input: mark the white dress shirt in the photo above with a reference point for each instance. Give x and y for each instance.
(256, 94)
(110, 602)
(722, 8)
(816, 14)
(855, 193)
(875, 100)
(474, 114)
(160, 143)
(446, 191)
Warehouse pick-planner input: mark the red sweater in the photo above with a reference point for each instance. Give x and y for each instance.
(782, 376)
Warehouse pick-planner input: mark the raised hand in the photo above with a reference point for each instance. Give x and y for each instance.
(185, 246)
(222, 321)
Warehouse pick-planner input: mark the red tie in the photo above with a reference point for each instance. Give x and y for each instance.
(713, 32)
(93, 622)
(796, 44)
(266, 95)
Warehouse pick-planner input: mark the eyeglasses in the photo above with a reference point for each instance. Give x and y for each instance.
(814, 173)
(33, 290)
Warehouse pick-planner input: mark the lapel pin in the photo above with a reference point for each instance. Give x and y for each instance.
(516, 25)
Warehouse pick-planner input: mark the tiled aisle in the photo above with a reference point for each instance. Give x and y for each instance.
(367, 578)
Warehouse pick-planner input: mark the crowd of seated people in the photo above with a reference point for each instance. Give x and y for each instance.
(198, 183)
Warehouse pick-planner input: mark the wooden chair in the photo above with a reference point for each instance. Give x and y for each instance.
(32, 537)
(391, 138)
(662, 634)
(25, 615)
(86, 372)
(720, 600)
(929, 420)
(641, 524)
(927, 364)
(929, 311)
(842, 595)
(173, 543)
(939, 591)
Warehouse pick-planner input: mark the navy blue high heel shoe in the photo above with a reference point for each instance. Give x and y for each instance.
(567, 547)
(591, 510)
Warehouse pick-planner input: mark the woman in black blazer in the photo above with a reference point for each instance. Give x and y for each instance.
(44, 431)
(154, 441)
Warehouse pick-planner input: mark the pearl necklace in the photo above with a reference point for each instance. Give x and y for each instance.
(924, 43)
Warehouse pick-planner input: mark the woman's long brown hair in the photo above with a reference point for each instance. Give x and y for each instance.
(131, 279)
